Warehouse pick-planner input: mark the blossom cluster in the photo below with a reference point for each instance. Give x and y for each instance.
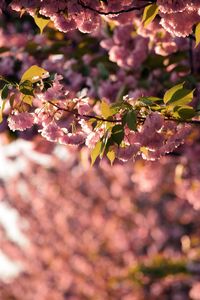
(85, 14)
(123, 61)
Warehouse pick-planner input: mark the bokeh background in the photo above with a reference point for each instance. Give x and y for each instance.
(71, 231)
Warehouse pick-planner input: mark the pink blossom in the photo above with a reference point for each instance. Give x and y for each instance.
(20, 121)
(52, 132)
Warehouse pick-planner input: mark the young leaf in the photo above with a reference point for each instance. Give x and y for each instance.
(41, 21)
(106, 110)
(149, 14)
(96, 152)
(197, 34)
(33, 74)
(131, 120)
(28, 99)
(111, 156)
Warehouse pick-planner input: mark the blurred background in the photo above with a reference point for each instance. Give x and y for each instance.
(71, 231)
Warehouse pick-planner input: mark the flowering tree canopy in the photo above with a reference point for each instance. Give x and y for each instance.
(120, 77)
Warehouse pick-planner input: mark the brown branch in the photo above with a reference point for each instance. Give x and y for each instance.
(85, 6)
(73, 112)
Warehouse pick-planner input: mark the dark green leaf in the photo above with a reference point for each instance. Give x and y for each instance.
(186, 112)
(4, 92)
(118, 134)
(26, 88)
(131, 120)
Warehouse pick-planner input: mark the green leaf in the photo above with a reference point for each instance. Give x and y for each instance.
(41, 21)
(33, 74)
(186, 112)
(131, 120)
(117, 134)
(149, 14)
(1, 110)
(111, 156)
(197, 34)
(4, 92)
(96, 152)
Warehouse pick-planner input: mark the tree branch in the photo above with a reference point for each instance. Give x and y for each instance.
(85, 6)
(73, 112)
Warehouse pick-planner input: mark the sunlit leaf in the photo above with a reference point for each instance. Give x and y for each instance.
(111, 156)
(2, 109)
(106, 110)
(181, 97)
(144, 150)
(41, 21)
(149, 14)
(178, 95)
(33, 74)
(96, 152)
(197, 34)
(27, 99)
(168, 95)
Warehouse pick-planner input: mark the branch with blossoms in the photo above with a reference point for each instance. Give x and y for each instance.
(86, 16)
(147, 126)
(110, 120)
(121, 11)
